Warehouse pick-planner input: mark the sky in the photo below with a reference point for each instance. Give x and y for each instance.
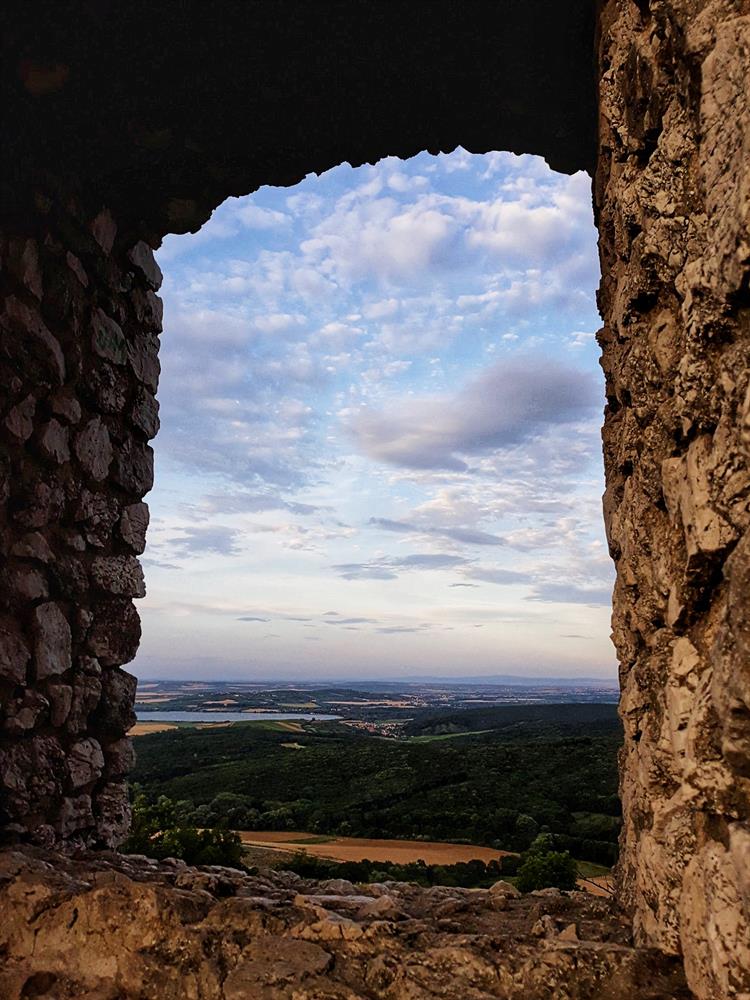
(380, 453)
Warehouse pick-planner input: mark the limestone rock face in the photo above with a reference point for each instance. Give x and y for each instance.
(673, 208)
(120, 928)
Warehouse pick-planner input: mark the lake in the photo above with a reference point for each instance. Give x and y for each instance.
(233, 716)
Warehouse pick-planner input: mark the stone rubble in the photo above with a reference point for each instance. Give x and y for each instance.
(114, 927)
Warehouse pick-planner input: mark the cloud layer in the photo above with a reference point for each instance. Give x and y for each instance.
(507, 404)
(380, 393)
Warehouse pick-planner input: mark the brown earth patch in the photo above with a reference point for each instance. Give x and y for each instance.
(362, 848)
(145, 728)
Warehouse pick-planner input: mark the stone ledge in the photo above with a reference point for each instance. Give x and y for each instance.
(110, 927)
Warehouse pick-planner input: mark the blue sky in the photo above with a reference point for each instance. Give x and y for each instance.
(380, 450)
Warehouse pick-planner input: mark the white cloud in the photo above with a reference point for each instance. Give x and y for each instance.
(256, 217)
(509, 403)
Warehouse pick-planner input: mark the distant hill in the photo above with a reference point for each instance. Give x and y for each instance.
(595, 719)
(514, 680)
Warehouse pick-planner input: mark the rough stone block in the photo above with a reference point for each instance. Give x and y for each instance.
(25, 339)
(115, 633)
(93, 449)
(145, 412)
(134, 467)
(75, 815)
(98, 513)
(107, 338)
(77, 268)
(60, 699)
(20, 420)
(85, 697)
(120, 757)
(23, 264)
(121, 576)
(14, 655)
(142, 258)
(85, 762)
(52, 641)
(26, 583)
(104, 230)
(115, 715)
(33, 546)
(54, 442)
(149, 309)
(133, 526)
(40, 503)
(112, 814)
(65, 405)
(143, 352)
(24, 713)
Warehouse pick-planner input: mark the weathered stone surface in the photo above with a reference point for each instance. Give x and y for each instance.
(115, 632)
(97, 513)
(85, 762)
(31, 772)
(108, 339)
(145, 412)
(75, 816)
(93, 449)
(65, 405)
(24, 713)
(85, 697)
(38, 504)
(133, 525)
(116, 715)
(19, 420)
(149, 309)
(33, 546)
(77, 268)
(23, 263)
(112, 814)
(38, 351)
(104, 230)
(142, 258)
(134, 467)
(215, 932)
(121, 576)
(673, 206)
(120, 757)
(14, 655)
(25, 583)
(143, 352)
(54, 442)
(52, 641)
(60, 699)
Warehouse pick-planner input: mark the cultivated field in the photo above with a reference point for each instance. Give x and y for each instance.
(146, 728)
(361, 848)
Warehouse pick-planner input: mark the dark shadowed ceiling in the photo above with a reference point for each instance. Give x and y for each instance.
(163, 109)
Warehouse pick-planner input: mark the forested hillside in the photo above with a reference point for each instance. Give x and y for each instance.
(498, 788)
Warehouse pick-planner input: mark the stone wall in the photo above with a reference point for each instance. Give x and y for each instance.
(78, 359)
(673, 206)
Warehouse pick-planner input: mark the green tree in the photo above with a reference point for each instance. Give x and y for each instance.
(526, 830)
(541, 869)
(156, 832)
